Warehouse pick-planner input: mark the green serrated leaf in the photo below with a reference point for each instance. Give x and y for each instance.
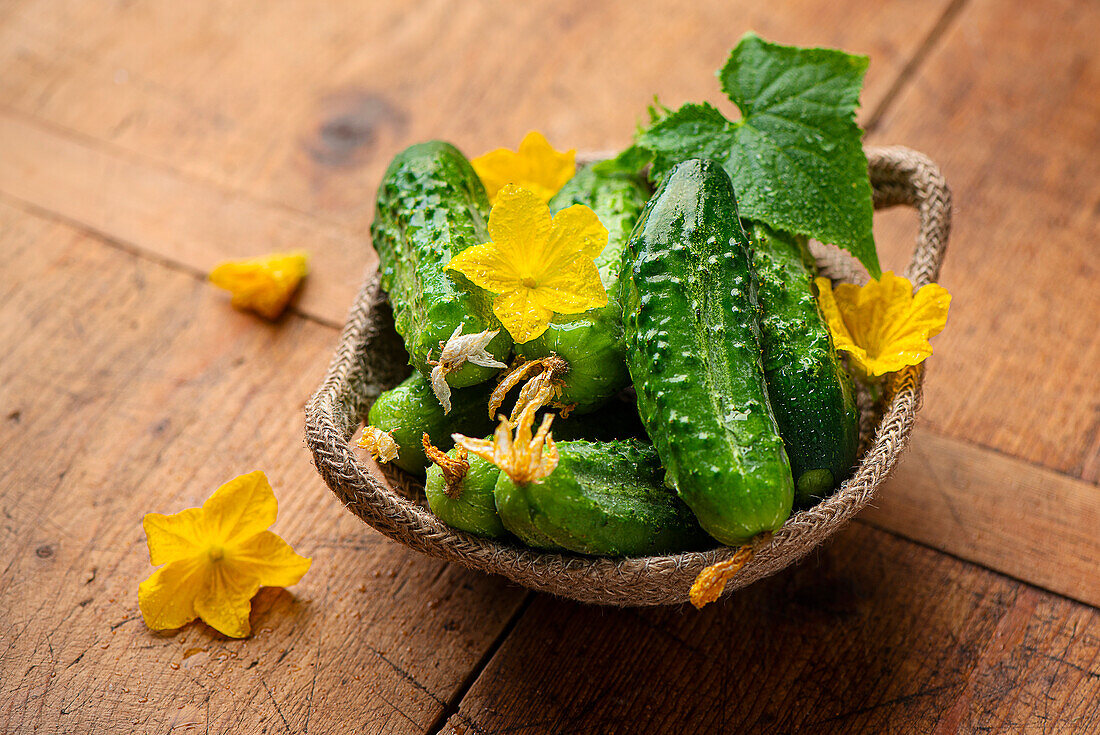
(630, 162)
(796, 159)
(693, 131)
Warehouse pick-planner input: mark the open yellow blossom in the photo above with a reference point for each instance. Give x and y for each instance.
(216, 558)
(538, 266)
(884, 326)
(536, 166)
(525, 458)
(264, 284)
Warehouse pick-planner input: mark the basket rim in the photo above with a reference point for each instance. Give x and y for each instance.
(900, 176)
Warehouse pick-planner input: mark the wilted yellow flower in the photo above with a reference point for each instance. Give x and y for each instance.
(536, 166)
(884, 326)
(264, 284)
(216, 558)
(536, 264)
(525, 458)
(711, 582)
(380, 444)
(454, 353)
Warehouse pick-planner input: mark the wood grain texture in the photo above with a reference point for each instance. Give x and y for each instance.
(1019, 519)
(871, 635)
(172, 127)
(1008, 104)
(125, 388)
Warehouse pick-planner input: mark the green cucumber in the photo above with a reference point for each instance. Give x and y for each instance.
(604, 498)
(692, 329)
(411, 410)
(592, 342)
(431, 207)
(811, 394)
(474, 510)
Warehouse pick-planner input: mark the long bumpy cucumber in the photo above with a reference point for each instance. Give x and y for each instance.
(604, 498)
(432, 206)
(411, 409)
(691, 320)
(592, 342)
(811, 394)
(474, 509)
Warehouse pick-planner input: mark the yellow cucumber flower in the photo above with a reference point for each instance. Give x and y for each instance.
(536, 166)
(884, 326)
(538, 266)
(264, 284)
(525, 458)
(216, 558)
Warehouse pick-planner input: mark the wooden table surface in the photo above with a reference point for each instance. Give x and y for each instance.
(141, 142)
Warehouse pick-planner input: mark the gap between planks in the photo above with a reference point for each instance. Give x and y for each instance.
(1008, 515)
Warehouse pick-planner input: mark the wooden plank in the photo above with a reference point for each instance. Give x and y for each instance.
(871, 635)
(1008, 105)
(997, 511)
(199, 133)
(154, 211)
(126, 388)
(304, 105)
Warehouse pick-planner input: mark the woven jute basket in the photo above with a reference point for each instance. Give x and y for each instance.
(371, 358)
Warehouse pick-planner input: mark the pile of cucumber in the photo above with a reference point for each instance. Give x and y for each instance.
(742, 409)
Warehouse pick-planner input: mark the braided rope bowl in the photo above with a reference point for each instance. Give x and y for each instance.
(370, 358)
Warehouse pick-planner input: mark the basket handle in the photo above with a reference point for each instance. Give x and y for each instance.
(901, 175)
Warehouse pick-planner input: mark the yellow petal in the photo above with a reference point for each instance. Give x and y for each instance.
(576, 229)
(167, 598)
(495, 169)
(882, 325)
(269, 559)
(240, 508)
(536, 166)
(174, 537)
(547, 169)
(572, 288)
(265, 284)
(519, 225)
(523, 317)
(226, 599)
(487, 267)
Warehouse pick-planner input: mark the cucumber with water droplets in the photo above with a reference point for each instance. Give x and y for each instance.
(432, 206)
(811, 394)
(691, 321)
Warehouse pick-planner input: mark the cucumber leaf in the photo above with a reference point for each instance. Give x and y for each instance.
(798, 161)
(795, 157)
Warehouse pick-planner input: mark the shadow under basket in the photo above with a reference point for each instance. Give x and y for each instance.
(371, 358)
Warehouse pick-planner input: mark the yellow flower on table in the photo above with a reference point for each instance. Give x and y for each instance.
(884, 326)
(536, 166)
(216, 558)
(537, 265)
(265, 284)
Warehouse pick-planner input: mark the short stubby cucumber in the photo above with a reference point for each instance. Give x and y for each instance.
(431, 207)
(811, 395)
(592, 342)
(411, 410)
(691, 321)
(604, 498)
(474, 510)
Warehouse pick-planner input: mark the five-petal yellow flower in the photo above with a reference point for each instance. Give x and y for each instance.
(536, 166)
(264, 284)
(884, 326)
(216, 558)
(538, 266)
